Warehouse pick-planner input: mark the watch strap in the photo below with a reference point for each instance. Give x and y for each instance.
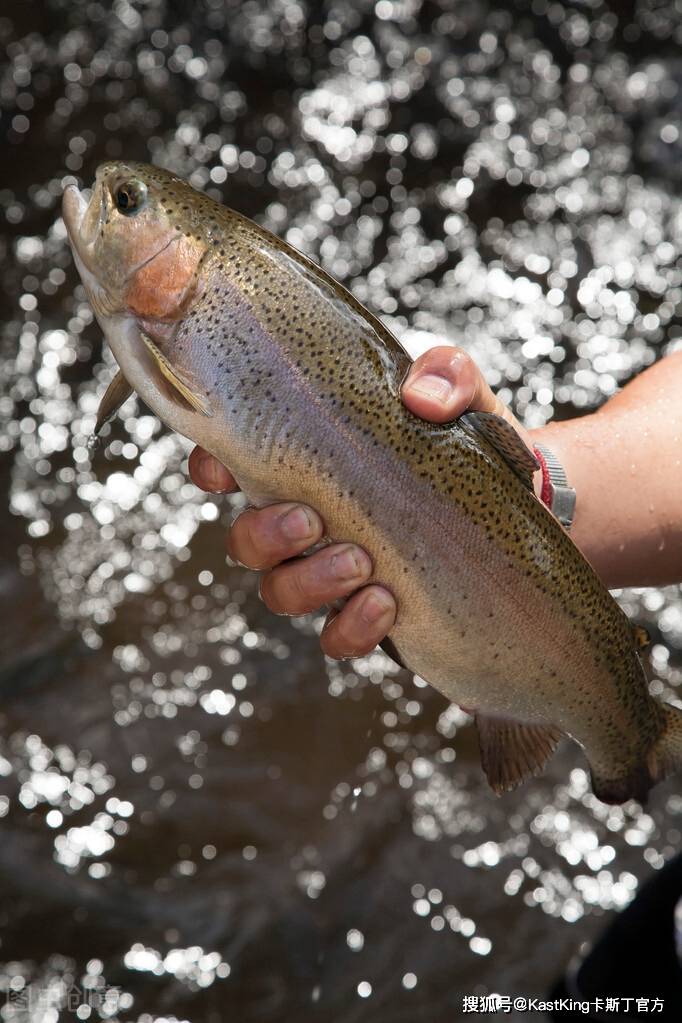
(557, 493)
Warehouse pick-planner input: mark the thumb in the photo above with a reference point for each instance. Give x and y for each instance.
(443, 383)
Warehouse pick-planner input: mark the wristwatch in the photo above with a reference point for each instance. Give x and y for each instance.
(557, 493)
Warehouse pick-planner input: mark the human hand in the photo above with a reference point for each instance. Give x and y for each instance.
(442, 384)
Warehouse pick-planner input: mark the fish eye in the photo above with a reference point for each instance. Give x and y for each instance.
(130, 197)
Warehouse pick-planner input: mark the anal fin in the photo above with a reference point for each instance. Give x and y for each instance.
(389, 648)
(512, 751)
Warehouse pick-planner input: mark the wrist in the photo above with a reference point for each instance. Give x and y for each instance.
(577, 444)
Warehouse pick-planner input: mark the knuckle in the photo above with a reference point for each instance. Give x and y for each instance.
(271, 594)
(285, 591)
(359, 639)
(265, 592)
(248, 541)
(299, 592)
(331, 645)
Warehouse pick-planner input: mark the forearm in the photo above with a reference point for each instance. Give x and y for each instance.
(625, 462)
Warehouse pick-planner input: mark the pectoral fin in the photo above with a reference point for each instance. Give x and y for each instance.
(506, 441)
(512, 751)
(183, 387)
(118, 391)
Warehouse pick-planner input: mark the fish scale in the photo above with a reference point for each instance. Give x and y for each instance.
(248, 348)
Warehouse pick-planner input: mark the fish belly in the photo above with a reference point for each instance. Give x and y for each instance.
(468, 621)
(464, 614)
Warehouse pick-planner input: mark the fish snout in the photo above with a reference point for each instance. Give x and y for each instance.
(83, 219)
(74, 206)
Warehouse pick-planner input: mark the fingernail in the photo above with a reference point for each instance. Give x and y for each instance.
(431, 386)
(347, 564)
(296, 524)
(374, 607)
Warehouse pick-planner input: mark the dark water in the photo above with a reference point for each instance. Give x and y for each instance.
(202, 819)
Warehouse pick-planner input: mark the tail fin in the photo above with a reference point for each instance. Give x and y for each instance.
(664, 758)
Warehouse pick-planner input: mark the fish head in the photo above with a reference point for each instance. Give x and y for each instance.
(134, 243)
(139, 243)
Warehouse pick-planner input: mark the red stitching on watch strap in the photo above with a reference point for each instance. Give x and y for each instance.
(546, 492)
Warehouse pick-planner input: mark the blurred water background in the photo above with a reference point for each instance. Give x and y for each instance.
(202, 819)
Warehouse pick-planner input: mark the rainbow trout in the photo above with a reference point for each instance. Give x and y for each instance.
(246, 347)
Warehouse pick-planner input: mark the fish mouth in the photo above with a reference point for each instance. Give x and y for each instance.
(74, 206)
(82, 219)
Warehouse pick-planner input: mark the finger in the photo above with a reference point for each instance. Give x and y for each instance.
(210, 474)
(360, 625)
(262, 538)
(303, 585)
(443, 383)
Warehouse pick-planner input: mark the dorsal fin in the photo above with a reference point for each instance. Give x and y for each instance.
(118, 391)
(506, 441)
